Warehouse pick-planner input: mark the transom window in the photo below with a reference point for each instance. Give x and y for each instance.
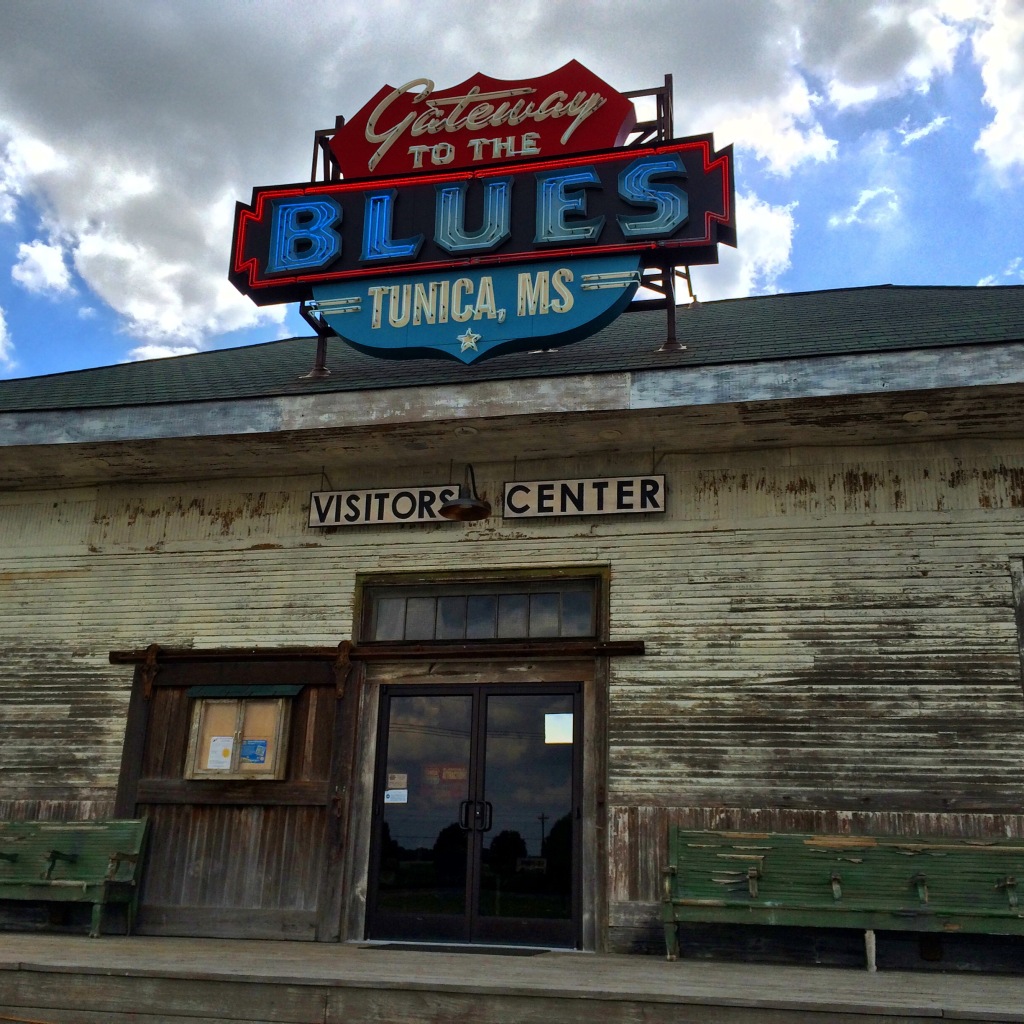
(482, 611)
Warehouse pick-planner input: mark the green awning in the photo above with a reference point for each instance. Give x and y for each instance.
(243, 691)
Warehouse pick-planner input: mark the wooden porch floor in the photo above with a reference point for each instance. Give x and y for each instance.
(59, 979)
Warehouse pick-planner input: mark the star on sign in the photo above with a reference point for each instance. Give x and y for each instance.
(469, 340)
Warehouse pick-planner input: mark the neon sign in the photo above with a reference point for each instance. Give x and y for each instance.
(529, 232)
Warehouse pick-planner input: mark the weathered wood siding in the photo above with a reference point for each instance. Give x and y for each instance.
(831, 633)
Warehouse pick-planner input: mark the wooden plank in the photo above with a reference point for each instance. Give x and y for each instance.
(167, 999)
(342, 744)
(243, 858)
(79, 1015)
(227, 922)
(1017, 580)
(175, 1000)
(196, 793)
(136, 726)
(402, 1007)
(420, 987)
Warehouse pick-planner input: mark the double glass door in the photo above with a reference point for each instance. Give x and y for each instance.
(477, 815)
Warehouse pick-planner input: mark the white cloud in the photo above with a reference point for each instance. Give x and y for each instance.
(159, 352)
(999, 50)
(22, 160)
(867, 52)
(40, 268)
(779, 129)
(875, 208)
(910, 136)
(765, 244)
(1012, 273)
(7, 362)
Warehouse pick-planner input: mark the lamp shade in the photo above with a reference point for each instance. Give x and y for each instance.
(468, 507)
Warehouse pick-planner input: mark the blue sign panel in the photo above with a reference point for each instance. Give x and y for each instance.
(254, 751)
(474, 313)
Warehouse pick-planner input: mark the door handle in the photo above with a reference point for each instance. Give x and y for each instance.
(482, 815)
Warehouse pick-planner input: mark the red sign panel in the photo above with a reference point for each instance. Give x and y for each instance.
(484, 121)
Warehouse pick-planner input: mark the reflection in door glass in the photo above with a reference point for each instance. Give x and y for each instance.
(421, 866)
(527, 865)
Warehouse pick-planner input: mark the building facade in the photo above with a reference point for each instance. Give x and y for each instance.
(481, 731)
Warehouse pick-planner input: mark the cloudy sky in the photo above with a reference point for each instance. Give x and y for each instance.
(876, 142)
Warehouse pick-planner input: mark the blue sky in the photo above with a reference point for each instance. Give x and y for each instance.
(876, 142)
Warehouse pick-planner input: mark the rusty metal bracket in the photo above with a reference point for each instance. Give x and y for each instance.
(322, 155)
(343, 667)
(323, 332)
(149, 670)
(659, 128)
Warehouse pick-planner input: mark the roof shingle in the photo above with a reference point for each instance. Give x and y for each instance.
(802, 325)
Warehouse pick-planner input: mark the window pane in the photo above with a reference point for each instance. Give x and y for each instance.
(216, 746)
(480, 618)
(543, 615)
(390, 618)
(419, 618)
(451, 618)
(578, 613)
(258, 753)
(513, 615)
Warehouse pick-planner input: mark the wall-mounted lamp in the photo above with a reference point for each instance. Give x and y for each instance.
(468, 507)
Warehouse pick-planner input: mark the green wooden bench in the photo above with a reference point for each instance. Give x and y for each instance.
(864, 882)
(97, 862)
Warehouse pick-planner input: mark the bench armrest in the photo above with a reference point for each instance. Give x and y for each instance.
(116, 860)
